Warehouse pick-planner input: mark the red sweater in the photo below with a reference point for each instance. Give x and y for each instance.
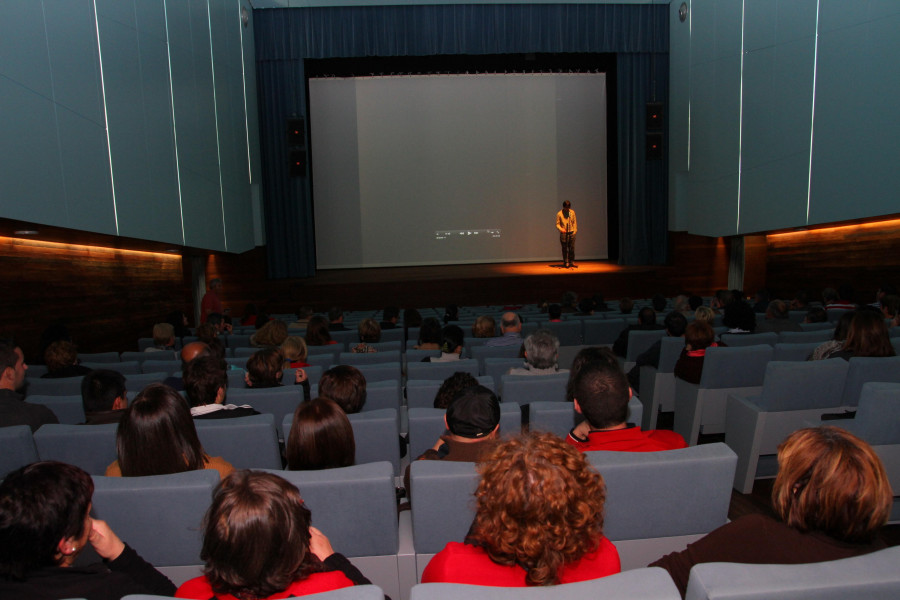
(463, 563)
(199, 588)
(630, 439)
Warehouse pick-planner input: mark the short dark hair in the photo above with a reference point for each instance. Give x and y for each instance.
(390, 312)
(346, 385)
(203, 377)
(335, 313)
(659, 302)
(256, 536)
(40, 504)
(317, 333)
(265, 367)
(156, 435)
(554, 311)
(647, 316)
(100, 388)
(700, 335)
(430, 331)
(321, 437)
(601, 390)
(60, 354)
(695, 302)
(675, 323)
(8, 357)
(586, 356)
(215, 318)
(739, 315)
(816, 314)
(452, 337)
(451, 386)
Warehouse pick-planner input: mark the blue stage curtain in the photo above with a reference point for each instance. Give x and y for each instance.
(637, 33)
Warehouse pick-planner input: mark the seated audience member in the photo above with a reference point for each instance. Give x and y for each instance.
(389, 317)
(369, 333)
(103, 396)
(511, 330)
(694, 302)
(698, 336)
(206, 333)
(321, 437)
(179, 322)
(451, 313)
(836, 343)
(680, 304)
(484, 327)
(541, 355)
(429, 335)
(705, 314)
(816, 314)
(190, 351)
(659, 302)
(13, 408)
(258, 543)
(156, 436)
(841, 299)
(304, 314)
(206, 386)
(738, 317)
(163, 339)
(411, 318)
(270, 335)
(266, 367)
(554, 313)
(890, 308)
(600, 392)
(600, 303)
(886, 289)
(295, 352)
(675, 323)
(646, 322)
(831, 496)
(218, 321)
(526, 483)
(867, 336)
(452, 386)
(586, 307)
(761, 301)
(336, 319)
(800, 301)
(452, 338)
(777, 319)
(317, 333)
(251, 312)
(720, 300)
(569, 302)
(346, 385)
(45, 523)
(61, 359)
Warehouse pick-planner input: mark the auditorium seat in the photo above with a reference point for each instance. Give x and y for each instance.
(793, 393)
(137, 382)
(441, 370)
(246, 442)
(99, 357)
(749, 339)
(131, 367)
(799, 337)
(368, 358)
(498, 367)
(658, 383)
(426, 425)
(868, 368)
(278, 401)
(638, 342)
(794, 352)
(93, 448)
(525, 389)
(481, 353)
(235, 340)
(63, 386)
(18, 448)
(68, 409)
(380, 371)
(153, 366)
(602, 332)
(569, 333)
(420, 393)
(560, 417)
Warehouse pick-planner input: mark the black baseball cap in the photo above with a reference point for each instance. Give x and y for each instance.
(473, 413)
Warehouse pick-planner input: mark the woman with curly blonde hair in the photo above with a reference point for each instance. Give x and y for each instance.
(538, 521)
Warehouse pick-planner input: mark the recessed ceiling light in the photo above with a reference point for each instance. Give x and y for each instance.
(26, 232)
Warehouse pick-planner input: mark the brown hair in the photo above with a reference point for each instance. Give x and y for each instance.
(699, 335)
(203, 377)
(156, 435)
(294, 348)
(346, 385)
(484, 327)
(256, 536)
(536, 494)
(317, 333)
(601, 390)
(206, 333)
(272, 333)
(452, 386)
(265, 367)
(321, 437)
(163, 333)
(831, 481)
(868, 335)
(60, 355)
(369, 331)
(704, 314)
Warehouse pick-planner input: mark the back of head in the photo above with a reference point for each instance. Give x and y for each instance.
(846, 292)
(304, 312)
(510, 322)
(542, 349)
(569, 299)
(317, 331)
(868, 335)
(215, 319)
(207, 332)
(264, 368)
(816, 314)
(40, 504)
(203, 378)
(163, 334)
(659, 302)
(587, 356)
(430, 331)
(193, 350)
(346, 385)
(890, 304)
(699, 335)
(451, 313)
(647, 316)
(156, 435)
(100, 388)
(60, 355)
(335, 313)
(843, 325)
(626, 305)
(832, 482)
(412, 318)
(273, 333)
(602, 392)
(539, 506)
(778, 309)
(369, 331)
(294, 348)
(705, 313)
(451, 386)
(675, 323)
(554, 312)
(256, 536)
(695, 302)
(321, 437)
(473, 413)
(739, 315)
(484, 327)
(390, 313)
(586, 306)
(452, 338)
(8, 356)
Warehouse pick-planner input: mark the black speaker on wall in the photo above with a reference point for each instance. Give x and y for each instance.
(654, 116)
(296, 142)
(654, 146)
(297, 162)
(296, 132)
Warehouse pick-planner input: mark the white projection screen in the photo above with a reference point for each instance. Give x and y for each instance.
(454, 169)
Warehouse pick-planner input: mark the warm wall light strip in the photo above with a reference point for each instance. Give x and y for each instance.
(81, 248)
(891, 224)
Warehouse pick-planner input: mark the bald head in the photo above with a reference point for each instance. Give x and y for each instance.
(510, 322)
(192, 351)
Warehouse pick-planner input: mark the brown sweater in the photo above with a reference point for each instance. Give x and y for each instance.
(455, 451)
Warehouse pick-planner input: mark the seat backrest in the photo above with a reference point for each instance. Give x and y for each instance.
(68, 409)
(871, 576)
(170, 366)
(368, 358)
(569, 333)
(790, 385)
(877, 415)
(441, 370)
(237, 340)
(799, 337)
(135, 382)
(648, 583)
(869, 368)
(480, 353)
(560, 417)
(63, 386)
(640, 340)
(444, 504)
(125, 368)
(91, 447)
(426, 425)
(697, 483)
(99, 357)
(794, 351)
(732, 367)
(376, 433)
(18, 448)
(380, 371)
(498, 367)
(749, 339)
(533, 388)
(355, 507)
(277, 401)
(669, 352)
(599, 332)
(420, 393)
(245, 442)
(160, 516)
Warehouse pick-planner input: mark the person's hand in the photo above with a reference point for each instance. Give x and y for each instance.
(228, 327)
(319, 544)
(104, 540)
(582, 430)
(438, 444)
(299, 376)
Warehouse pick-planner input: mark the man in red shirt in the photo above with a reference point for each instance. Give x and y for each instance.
(601, 393)
(212, 300)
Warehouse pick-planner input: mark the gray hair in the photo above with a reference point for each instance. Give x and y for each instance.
(542, 349)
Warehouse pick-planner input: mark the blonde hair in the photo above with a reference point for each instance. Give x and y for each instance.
(294, 348)
(705, 314)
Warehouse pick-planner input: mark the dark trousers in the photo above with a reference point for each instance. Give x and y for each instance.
(567, 241)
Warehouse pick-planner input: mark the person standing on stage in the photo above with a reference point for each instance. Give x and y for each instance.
(567, 226)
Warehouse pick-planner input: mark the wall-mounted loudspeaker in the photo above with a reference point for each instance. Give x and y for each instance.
(297, 162)
(654, 146)
(654, 116)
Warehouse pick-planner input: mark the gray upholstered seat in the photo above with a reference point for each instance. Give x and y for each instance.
(18, 448)
(427, 424)
(749, 339)
(638, 342)
(441, 370)
(602, 332)
(657, 391)
(368, 358)
(63, 386)
(245, 442)
(93, 448)
(68, 409)
(569, 333)
(525, 389)
(420, 393)
(865, 369)
(560, 417)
